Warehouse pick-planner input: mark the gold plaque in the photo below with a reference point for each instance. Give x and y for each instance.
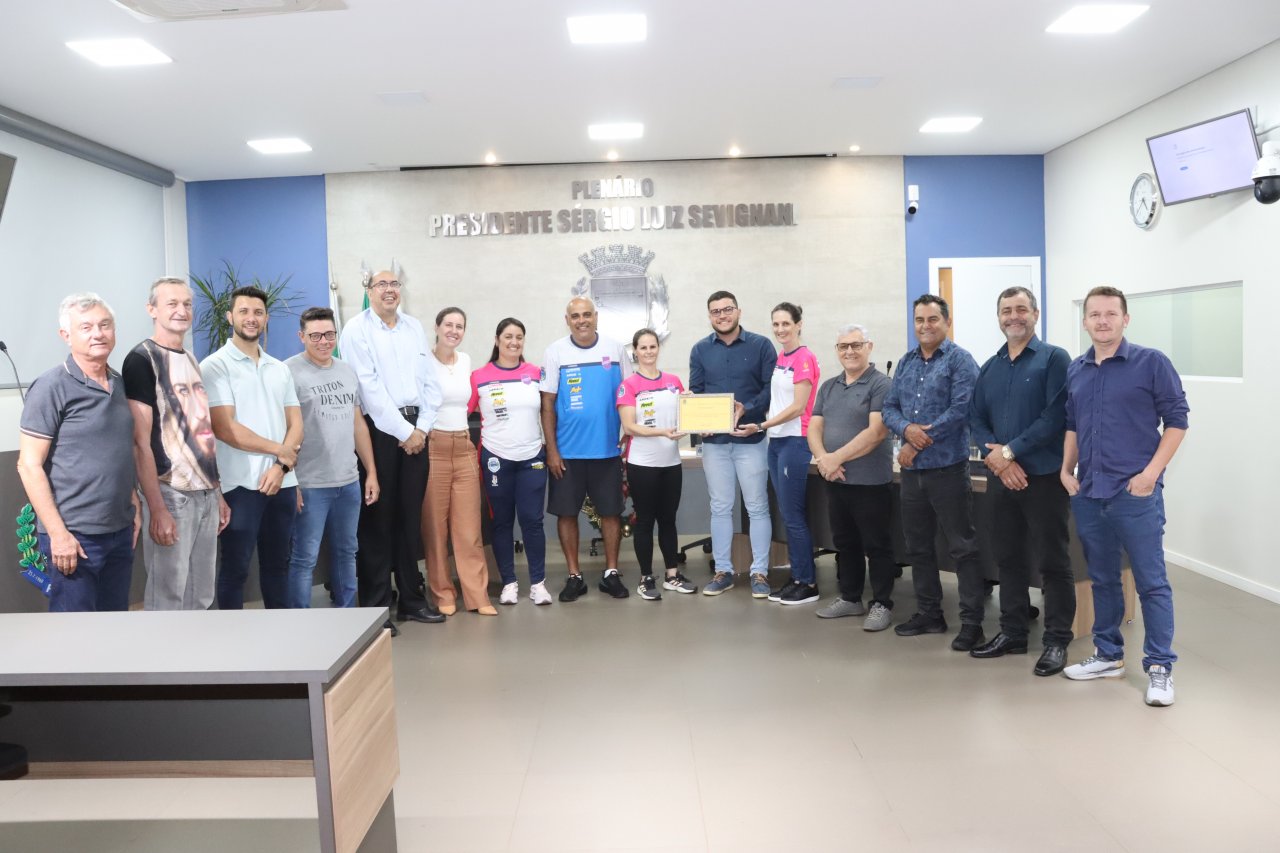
(706, 413)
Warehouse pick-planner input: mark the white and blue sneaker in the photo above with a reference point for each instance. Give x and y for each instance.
(1094, 667)
(1160, 690)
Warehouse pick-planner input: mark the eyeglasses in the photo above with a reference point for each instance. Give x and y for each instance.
(317, 337)
(722, 312)
(385, 285)
(855, 346)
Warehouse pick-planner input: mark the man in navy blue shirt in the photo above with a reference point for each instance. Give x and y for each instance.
(1018, 417)
(928, 406)
(1118, 397)
(732, 360)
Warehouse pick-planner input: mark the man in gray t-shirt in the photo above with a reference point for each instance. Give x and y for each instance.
(75, 458)
(852, 449)
(334, 435)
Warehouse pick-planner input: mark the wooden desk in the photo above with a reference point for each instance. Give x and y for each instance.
(214, 693)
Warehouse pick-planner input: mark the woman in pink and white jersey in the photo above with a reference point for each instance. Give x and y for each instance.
(791, 395)
(513, 460)
(648, 408)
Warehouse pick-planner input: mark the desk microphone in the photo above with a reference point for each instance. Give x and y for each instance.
(22, 394)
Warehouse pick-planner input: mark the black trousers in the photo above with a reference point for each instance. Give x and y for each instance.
(390, 531)
(860, 518)
(1029, 530)
(942, 499)
(655, 496)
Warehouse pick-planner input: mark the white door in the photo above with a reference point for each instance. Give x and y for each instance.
(976, 285)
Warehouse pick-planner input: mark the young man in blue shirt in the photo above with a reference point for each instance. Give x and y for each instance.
(734, 361)
(1119, 395)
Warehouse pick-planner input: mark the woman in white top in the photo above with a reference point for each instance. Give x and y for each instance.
(451, 509)
(647, 401)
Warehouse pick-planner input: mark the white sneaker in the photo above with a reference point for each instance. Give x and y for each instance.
(1160, 690)
(538, 593)
(510, 593)
(1094, 667)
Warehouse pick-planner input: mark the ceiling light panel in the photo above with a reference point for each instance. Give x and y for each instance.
(622, 130)
(1096, 19)
(607, 29)
(117, 53)
(289, 145)
(954, 124)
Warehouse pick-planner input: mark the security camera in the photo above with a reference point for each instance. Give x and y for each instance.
(1266, 175)
(913, 206)
(913, 198)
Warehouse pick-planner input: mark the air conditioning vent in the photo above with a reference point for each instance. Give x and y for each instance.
(204, 10)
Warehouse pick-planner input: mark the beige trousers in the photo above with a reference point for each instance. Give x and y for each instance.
(451, 509)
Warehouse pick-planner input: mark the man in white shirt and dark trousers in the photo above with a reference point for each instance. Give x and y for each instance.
(399, 395)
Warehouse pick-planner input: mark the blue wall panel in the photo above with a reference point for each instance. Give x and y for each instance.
(266, 227)
(972, 207)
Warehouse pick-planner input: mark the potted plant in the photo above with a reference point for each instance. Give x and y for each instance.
(214, 292)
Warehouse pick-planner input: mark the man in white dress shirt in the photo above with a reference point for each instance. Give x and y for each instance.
(399, 395)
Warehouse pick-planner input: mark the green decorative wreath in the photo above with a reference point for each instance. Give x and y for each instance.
(31, 558)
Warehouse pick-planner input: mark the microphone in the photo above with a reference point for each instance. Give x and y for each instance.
(21, 394)
(888, 368)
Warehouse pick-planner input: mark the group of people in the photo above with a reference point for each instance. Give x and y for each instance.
(372, 451)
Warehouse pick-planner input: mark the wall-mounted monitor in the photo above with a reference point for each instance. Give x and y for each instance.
(1205, 159)
(6, 176)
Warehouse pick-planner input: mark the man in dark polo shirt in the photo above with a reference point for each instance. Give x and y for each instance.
(1017, 417)
(854, 454)
(75, 458)
(732, 360)
(1119, 396)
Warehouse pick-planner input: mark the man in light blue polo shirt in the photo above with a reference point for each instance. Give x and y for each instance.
(258, 423)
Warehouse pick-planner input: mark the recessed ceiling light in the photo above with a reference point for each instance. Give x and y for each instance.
(856, 82)
(607, 29)
(612, 155)
(735, 151)
(623, 130)
(1096, 19)
(854, 149)
(491, 158)
(290, 145)
(958, 124)
(115, 53)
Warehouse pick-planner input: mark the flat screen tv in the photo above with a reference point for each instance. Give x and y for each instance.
(1205, 159)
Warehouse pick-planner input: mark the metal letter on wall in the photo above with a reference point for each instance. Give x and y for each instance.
(626, 297)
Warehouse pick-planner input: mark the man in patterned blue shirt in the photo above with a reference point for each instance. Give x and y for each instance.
(928, 407)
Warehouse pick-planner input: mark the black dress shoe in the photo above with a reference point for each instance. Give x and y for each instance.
(969, 636)
(999, 645)
(424, 615)
(391, 626)
(1052, 660)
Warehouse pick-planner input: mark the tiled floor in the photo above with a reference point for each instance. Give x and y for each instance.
(728, 724)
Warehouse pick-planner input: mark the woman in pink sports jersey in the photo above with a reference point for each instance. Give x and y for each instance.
(513, 460)
(791, 394)
(647, 407)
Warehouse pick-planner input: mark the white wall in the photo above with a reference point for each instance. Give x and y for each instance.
(71, 225)
(1221, 485)
(843, 261)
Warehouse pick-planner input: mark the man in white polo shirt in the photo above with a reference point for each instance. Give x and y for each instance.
(258, 423)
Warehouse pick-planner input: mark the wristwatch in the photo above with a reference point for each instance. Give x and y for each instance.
(1004, 452)
(283, 467)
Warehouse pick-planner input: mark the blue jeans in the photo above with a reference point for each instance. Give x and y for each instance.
(748, 466)
(100, 581)
(517, 490)
(789, 470)
(267, 524)
(1105, 525)
(334, 512)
